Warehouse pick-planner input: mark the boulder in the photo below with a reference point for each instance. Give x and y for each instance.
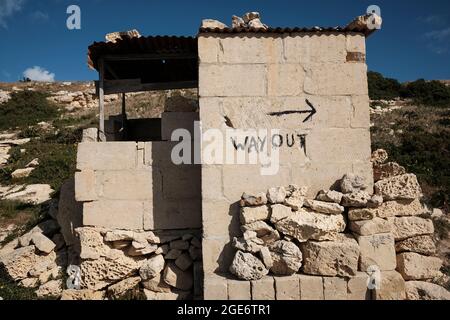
(276, 195)
(370, 227)
(22, 173)
(19, 262)
(248, 244)
(184, 261)
(324, 207)
(120, 289)
(357, 214)
(253, 201)
(280, 212)
(213, 24)
(331, 258)
(420, 290)
(352, 183)
(116, 266)
(391, 286)
(70, 212)
(404, 187)
(156, 284)
(90, 135)
(91, 243)
(377, 251)
(266, 257)
(43, 264)
(29, 283)
(356, 199)
(256, 24)
(286, 258)
(237, 22)
(388, 170)
(246, 266)
(408, 227)
(252, 214)
(119, 235)
(330, 196)
(413, 266)
(422, 244)
(52, 289)
(84, 294)
(379, 157)
(152, 267)
(249, 16)
(177, 278)
(306, 225)
(173, 254)
(400, 208)
(295, 200)
(263, 231)
(33, 194)
(42, 243)
(375, 201)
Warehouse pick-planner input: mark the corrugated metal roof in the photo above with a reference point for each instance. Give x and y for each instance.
(157, 45)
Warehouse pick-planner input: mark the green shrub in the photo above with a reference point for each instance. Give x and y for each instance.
(381, 88)
(26, 108)
(424, 92)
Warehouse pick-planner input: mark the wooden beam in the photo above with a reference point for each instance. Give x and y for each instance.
(101, 101)
(135, 85)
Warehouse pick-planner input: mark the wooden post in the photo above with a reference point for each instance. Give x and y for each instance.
(101, 101)
(124, 118)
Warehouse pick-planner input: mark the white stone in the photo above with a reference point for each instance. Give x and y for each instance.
(246, 266)
(152, 267)
(324, 207)
(286, 258)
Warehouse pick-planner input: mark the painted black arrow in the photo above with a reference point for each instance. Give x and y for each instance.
(311, 112)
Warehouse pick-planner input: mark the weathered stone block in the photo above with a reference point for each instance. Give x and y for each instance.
(239, 290)
(331, 258)
(413, 266)
(370, 227)
(408, 227)
(106, 156)
(356, 43)
(85, 186)
(336, 79)
(360, 112)
(118, 214)
(285, 80)
(171, 121)
(420, 290)
(377, 250)
(215, 288)
(421, 244)
(390, 287)
(263, 289)
(404, 187)
(208, 49)
(311, 287)
(232, 80)
(287, 288)
(357, 287)
(125, 185)
(334, 288)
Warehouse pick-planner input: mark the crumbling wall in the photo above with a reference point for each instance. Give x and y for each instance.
(270, 81)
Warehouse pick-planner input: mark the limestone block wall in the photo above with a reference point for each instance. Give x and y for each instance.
(135, 186)
(262, 81)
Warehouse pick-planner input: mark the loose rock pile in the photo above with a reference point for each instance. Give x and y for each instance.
(344, 233)
(249, 20)
(160, 265)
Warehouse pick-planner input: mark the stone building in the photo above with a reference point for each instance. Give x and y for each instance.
(307, 87)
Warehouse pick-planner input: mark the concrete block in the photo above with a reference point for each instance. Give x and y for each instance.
(311, 287)
(232, 80)
(334, 288)
(239, 290)
(85, 186)
(263, 289)
(336, 79)
(215, 288)
(106, 156)
(171, 121)
(117, 214)
(287, 288)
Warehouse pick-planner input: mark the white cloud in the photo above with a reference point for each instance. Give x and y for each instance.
(39, 74)
(8, 8)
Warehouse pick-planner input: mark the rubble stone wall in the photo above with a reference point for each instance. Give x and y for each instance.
(256, 81)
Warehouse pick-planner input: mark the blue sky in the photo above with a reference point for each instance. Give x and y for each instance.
(413, 43)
